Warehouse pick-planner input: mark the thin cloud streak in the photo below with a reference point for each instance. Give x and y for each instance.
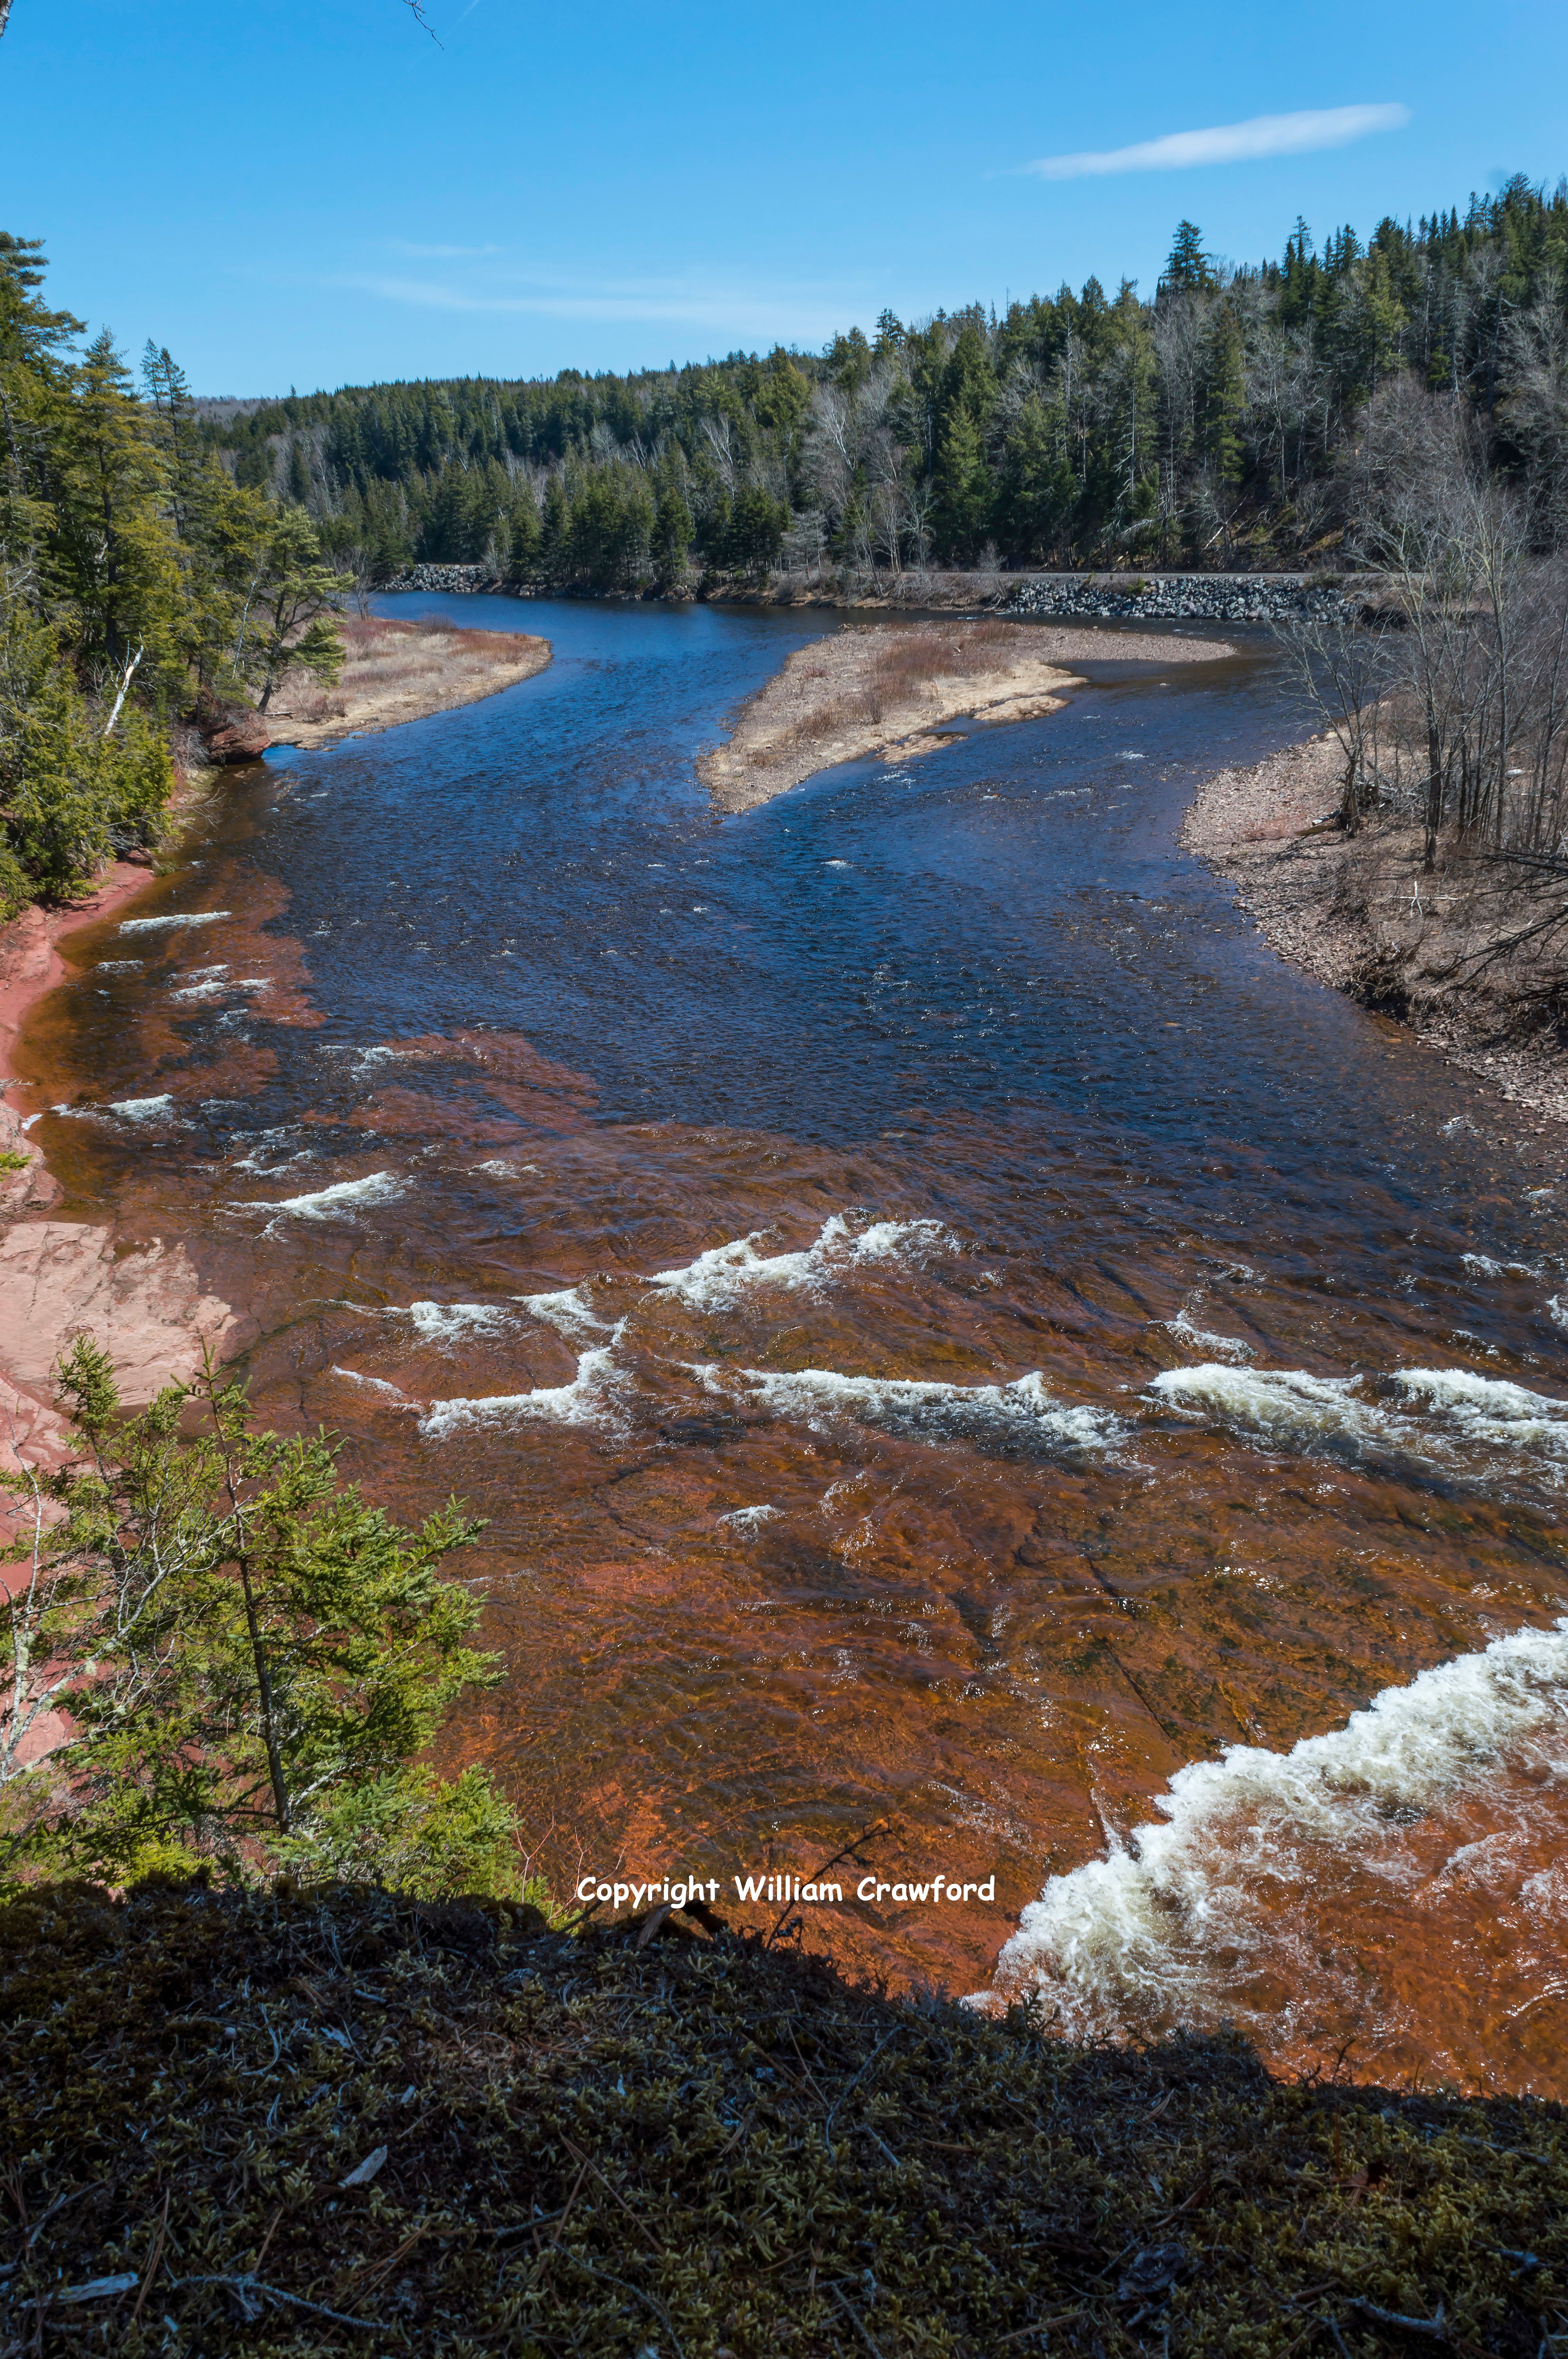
(691, 307)
(1229, 143)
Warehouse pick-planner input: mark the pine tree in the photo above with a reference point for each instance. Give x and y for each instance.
(1187, 265)
(294, 629)
(1038, 490)
(115, 559)
(1226, 397)
(961, 502)
(672, 538)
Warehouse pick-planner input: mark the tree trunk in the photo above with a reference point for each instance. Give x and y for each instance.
(268, 1713)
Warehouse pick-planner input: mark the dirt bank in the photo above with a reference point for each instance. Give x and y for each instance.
(1362, 915)
(398, 670)
(891, 690)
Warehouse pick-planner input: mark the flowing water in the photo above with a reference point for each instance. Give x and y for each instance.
(945, 1325)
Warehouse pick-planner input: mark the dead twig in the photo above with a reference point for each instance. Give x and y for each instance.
(845, 2304)
(157, 2254)
(874, 1834)
(252, 2292)
(1433, 2327)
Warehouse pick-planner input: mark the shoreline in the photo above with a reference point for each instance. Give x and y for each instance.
(148, 1307)
(1156, 592)
(1349, 912)
(879, 689)
(31, 966)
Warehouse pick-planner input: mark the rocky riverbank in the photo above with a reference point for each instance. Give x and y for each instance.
(1362, 915)
(1194, 597)
(146, 1306)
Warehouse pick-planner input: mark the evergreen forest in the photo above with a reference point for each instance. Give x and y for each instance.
(1203, 425)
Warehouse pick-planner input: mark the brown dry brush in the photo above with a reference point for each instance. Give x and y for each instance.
(892, 664)
(381, 653)
(336, 2120)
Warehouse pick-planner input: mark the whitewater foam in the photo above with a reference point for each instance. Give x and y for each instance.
(449, 1322)
(1201, 1339)
(1283, 1406)
(1488, 1410)
(588, 1399)
(1432, 1415)
(166, 925)
(141, 1109)
(1020, 1418)
(567, 1312)
(723, 1275)
(1177, 1917)
(376, 1384)
(340, 1201)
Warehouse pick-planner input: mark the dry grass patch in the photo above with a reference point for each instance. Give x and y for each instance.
(880, 689)
(396, 670)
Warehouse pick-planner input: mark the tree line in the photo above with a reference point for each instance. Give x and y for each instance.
(139, 581)
(1205, 424)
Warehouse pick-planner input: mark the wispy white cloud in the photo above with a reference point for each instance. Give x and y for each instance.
(1229, 143)
(547, 294)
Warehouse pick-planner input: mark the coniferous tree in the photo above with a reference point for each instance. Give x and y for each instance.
(961, 502)
(251, 1661)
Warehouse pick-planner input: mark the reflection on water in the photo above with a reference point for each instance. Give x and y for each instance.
(941, 1320)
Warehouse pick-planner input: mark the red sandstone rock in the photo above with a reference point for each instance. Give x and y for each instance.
(58, 1277)
(234, 737)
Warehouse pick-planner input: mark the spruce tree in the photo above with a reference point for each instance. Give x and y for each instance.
(1188, 265)
(251, 1660)
(960, 507)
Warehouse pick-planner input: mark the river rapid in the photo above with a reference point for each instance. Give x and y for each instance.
(944, 1325)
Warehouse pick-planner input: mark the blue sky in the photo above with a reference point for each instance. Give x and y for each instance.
(311, 193)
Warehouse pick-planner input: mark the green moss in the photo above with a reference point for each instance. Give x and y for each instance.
(697, 2147)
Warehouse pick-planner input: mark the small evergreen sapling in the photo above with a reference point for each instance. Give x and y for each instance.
(218, 1652)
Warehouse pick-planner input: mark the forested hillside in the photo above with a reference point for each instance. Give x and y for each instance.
(1202, 425)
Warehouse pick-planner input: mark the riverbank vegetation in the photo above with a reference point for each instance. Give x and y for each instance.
(396, 670)
(1208, 422)
(1440, 894)
(139, 583)
(889, 688)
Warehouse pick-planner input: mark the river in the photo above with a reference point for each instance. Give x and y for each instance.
(945, 1325)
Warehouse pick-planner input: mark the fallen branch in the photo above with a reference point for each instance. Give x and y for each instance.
(252, 2292)
(1434, 2327)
